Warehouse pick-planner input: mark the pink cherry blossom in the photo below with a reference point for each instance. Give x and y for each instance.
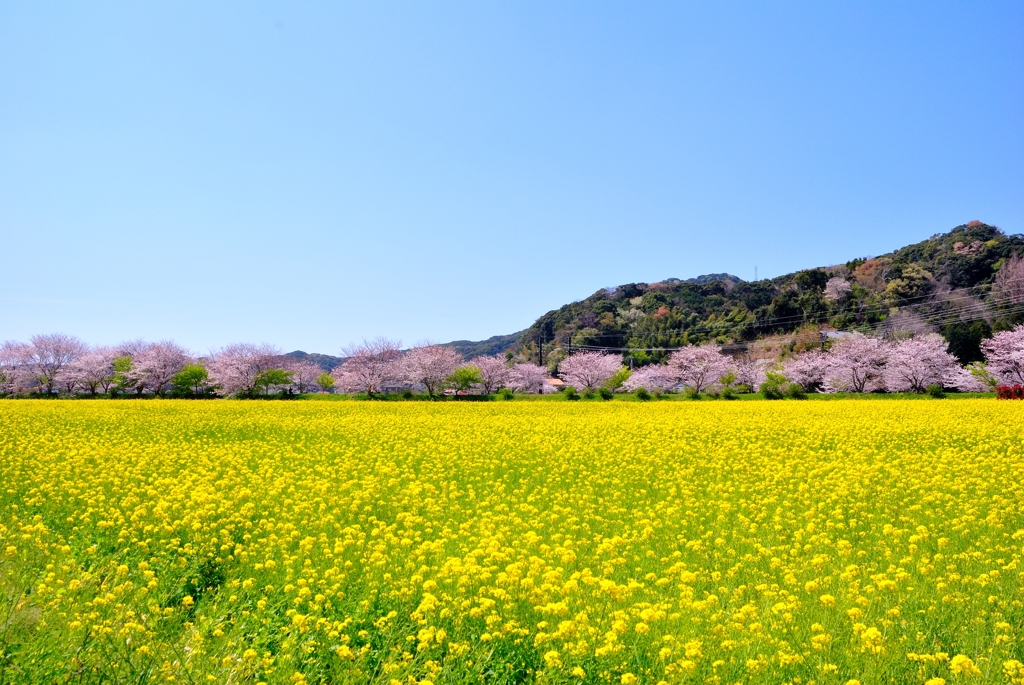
(529, 378)
(699, 366)
(14, 377)
(915, 363)
(855, 364)
(235, 368)
(47, 356)
(807, 369)
(494, 371)
(752, 373)
(93, 371)
(836, 289)
(429, 366)
(1008, 286)
(304, 374)
(1004, 355)
(588, 370)
(648, 377)
(156, 364)
(369, 366)
(972, 378)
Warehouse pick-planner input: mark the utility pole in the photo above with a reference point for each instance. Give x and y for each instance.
(542, 348)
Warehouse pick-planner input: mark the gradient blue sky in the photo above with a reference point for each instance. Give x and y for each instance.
(222, 172)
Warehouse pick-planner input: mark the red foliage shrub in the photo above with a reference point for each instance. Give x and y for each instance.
(1010, 392)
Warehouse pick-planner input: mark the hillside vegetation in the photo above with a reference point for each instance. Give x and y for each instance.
(942, 284)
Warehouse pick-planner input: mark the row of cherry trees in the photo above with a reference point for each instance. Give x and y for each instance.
(698, 367)
(61, 364)
(861, 364)
(855, 363)
(379, 365)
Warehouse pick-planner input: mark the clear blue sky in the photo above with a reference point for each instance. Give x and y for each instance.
(222, 172)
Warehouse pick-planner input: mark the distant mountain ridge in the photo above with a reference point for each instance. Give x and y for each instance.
(324, 361)
(496, 344)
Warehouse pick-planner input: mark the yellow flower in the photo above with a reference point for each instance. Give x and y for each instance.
(615, 530)
(871, 640)
(628, 679)
(963, 665)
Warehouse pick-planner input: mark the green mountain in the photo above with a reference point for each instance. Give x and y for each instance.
(940, 284)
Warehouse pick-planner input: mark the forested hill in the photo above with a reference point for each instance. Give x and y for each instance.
(942, 284)
(496, 344)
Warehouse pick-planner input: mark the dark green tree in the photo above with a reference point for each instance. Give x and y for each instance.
(965, 339)
(325, 381)
(122, 367)
(465, 377)
(271, 377)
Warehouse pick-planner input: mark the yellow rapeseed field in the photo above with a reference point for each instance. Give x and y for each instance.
(710, 542)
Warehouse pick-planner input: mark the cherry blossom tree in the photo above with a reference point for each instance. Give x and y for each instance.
(131, 348)
(752, 373)
(529, 378)
(155, 365)
(972, 378)
(94, 370)
(429, 366)
(855, 364)
(494, 372)
(369, 366)
(1004, 355)
(915, 363)
(836, 289)
(588, 370)
(1008, 286)
(48, 355)
(699, 366)
(304, 374)
(123, 362)
(14, 378)
(236, 369)
(807, 369)
(648, 377)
